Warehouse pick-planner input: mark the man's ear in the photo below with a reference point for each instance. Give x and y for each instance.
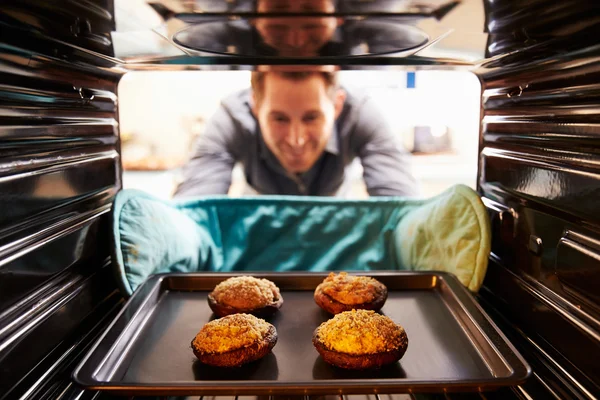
(339, 100)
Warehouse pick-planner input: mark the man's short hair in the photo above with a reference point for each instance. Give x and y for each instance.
(258, 80)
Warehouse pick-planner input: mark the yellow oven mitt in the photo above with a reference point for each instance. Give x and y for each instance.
(450, 232)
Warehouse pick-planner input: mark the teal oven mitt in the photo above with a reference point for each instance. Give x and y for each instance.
(449, 232)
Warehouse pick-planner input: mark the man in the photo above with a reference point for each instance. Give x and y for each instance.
(296, 133)
(299, 36)
(305, 36)
(269, 36)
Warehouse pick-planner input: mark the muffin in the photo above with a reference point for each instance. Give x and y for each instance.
(245, 294)
(360, 339)
(343, 292)
(234, 340)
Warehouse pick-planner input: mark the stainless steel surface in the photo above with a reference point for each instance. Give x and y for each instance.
(502, 394)
(399, 38)
(59, 170)
(59, 167)
(540, 157)
(552, 376)
(452, 344)
(135, 36)
(306, 397)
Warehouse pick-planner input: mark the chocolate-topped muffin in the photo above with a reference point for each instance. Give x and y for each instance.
(360, 339)
(343, 292)
(245, 294)
(234, 340)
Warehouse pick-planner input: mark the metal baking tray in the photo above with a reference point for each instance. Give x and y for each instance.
(453, 345)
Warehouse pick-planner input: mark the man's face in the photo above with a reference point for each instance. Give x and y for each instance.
(296, 118)
(299, 36)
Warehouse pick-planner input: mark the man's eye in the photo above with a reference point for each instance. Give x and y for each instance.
(310, 118)
(280, 119)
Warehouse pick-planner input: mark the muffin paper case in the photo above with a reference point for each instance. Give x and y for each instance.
(449, 232)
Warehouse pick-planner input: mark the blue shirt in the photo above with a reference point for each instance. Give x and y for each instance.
(233, 136)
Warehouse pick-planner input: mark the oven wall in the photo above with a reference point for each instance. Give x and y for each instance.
(59, 170)
(539, 175)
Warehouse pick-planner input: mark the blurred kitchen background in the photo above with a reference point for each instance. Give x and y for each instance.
(435, 114)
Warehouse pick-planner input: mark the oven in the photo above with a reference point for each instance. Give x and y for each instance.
(537, 156)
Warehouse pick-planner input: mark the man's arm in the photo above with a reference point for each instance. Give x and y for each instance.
(209, 169)
(385, 162)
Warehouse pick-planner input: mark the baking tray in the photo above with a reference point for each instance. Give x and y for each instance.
(453, 345)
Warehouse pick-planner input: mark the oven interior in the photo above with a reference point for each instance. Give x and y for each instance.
(67, 70)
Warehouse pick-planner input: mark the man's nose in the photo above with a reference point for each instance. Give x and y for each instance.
(296, 136)
(297, 38)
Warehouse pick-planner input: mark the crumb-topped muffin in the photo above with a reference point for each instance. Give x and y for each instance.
(343, 292)
(360, 339)
(234, 340)
(245, 294)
